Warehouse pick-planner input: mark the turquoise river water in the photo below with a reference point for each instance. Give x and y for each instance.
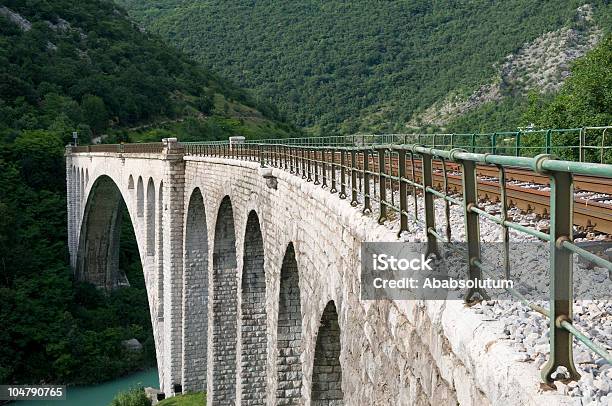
(99, 395)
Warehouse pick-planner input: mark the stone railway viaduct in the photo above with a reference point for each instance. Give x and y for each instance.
(253, 287)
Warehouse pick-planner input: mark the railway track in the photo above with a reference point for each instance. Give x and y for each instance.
(592, 200)
(525, 190)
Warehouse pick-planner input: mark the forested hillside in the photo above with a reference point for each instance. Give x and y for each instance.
(83, 66)
(335, 66)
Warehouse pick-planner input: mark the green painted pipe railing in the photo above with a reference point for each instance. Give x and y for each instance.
(586, 144)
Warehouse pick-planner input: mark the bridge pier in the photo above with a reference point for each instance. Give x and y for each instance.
(173, 168)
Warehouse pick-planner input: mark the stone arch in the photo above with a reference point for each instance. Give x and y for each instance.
(224, 306)
(195, 297)
(86, 176)
(289, 333)
(131, 182)
(97, 256)
(150, 220)
(327, 371)
(98, 247)
(140, 198)
(253, 316)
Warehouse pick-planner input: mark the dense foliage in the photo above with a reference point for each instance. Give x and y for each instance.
(586, 96)
(54, 328)
(83, 66)
(358, 65)
(584, 100)
(132, 397)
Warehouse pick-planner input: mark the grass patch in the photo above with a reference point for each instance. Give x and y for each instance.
(189, 399)
(131, 397)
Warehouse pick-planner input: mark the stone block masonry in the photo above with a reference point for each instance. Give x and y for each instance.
(327, 372)
(253, 317)
(224, 307)
(195, 298)
(289, 333)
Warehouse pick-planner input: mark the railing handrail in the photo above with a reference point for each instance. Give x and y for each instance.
(515, 143)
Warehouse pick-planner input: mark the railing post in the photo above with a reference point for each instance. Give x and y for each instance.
(309, 163)
(430, 219)
(504, 217)
(548, 142)
(367, 205)
(342, 194)
(323, 168)
(260, 150)
(303, 162)
(315, 152)
(581, 139)
(382, 186)
(473, 143)
(494, 143)
(401, 165)
(561, 280)
(517, 151)
(353, 178)
(333, 171)
(603, 145)
(472, 226)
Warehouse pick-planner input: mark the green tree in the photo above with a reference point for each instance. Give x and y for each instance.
(95, 113)
(586, 96)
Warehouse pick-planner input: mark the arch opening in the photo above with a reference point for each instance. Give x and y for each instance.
(195, 288)
(99, 239)
(109, 258)
(150, 221)
(253, 316)
(131, 182)
(140, 198)
(289, 333)
(327, 371)
(224, 306)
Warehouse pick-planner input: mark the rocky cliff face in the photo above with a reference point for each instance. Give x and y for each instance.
(541, 65)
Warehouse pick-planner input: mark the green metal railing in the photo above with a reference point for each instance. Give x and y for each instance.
(351, 168)
(586, 144)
